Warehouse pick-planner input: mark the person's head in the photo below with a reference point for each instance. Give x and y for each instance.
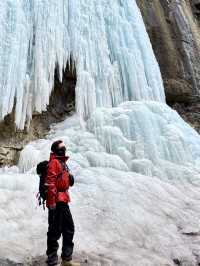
(58, 148)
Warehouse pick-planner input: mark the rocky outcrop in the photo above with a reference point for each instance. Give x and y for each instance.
(61, 104)
(190, 113)
(174, 31)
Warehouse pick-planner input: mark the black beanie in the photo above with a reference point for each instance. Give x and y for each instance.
(54, 146)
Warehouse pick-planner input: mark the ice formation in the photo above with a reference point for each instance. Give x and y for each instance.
(106, 40)
(129, 209)
(136, 162)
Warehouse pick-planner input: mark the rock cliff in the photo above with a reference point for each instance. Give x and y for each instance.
(174, 30)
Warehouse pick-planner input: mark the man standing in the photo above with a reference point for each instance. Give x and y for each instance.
(60, 220)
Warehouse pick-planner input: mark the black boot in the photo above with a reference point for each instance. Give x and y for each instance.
(52, 260)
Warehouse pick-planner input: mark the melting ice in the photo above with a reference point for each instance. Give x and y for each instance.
(136, 162)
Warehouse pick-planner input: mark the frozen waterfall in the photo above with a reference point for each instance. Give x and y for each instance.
(106, 40)
(136, 162)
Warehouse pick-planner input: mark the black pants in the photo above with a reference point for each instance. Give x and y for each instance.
(60, 223)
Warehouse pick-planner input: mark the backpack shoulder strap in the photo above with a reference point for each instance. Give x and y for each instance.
(67, 168)
(62, 164)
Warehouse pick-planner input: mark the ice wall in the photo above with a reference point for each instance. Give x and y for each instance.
(106, 39)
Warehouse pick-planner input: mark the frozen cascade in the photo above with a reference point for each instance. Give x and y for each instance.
(136, 162)
(106, 40)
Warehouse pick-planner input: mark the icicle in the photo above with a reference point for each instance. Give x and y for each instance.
(106, 39)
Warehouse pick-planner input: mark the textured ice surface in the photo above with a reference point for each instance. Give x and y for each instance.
(129, 206)
(106, 39)
(147, 135)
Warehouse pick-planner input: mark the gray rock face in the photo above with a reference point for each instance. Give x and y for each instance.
(174, 30)
(190, 113)
(181, 18)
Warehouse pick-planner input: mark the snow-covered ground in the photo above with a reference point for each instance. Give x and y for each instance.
(126, 217)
